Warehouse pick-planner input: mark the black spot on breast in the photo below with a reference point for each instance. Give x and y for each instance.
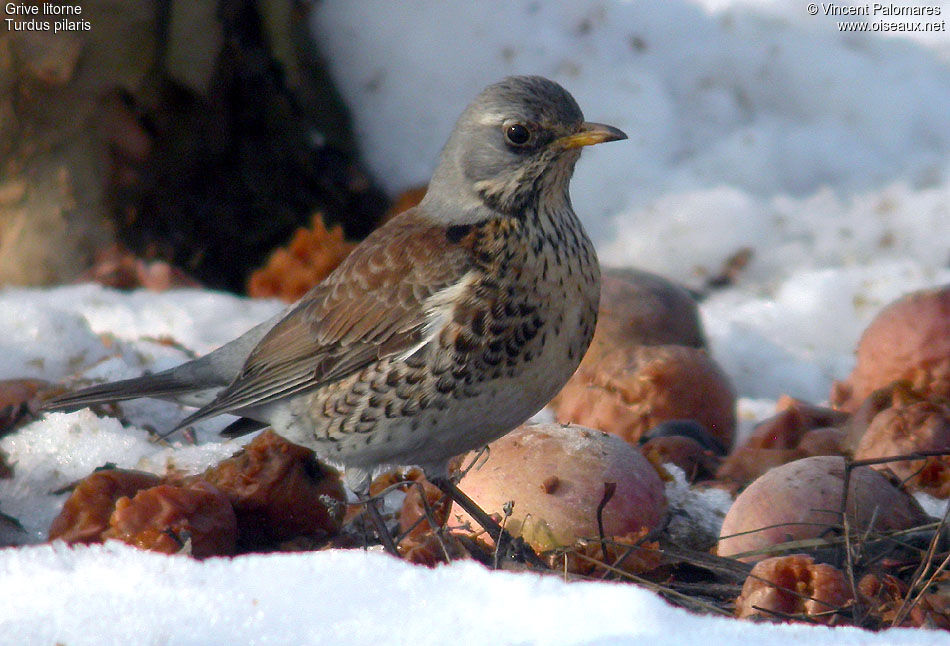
(527, 331)
(497, 328)
(478, 323)
(456, 232)
(487, 286)
(444, 385)
(416, 361)
(392, 409)
(367, 417)
(492, 358)
(464, 344)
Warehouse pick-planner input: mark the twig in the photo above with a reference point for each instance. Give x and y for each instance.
(846, 526)
(437, 528)
(494, 530)
(907, 605)
(685, 599)
(381, 529)
(725, 591)
(916, 455)
(785, 616)
(508, 508)
(609, 489)
(732, 568)
(827, 526)
(481, 456)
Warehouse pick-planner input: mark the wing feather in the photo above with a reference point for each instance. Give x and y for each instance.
(378, 303)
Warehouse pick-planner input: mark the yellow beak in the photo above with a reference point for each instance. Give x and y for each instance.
(590, 134)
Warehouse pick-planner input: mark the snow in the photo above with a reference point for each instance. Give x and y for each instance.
(752, 124)
(764, 99)
(695, 515)
(346, 597)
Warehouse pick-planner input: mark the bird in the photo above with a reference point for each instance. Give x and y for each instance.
(447, 327)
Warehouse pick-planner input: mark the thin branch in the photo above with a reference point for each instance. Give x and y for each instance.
(685, 599)
(609, 489)
(916, 455)
(908, 604)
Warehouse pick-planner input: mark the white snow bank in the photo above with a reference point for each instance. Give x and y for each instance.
(115, 594)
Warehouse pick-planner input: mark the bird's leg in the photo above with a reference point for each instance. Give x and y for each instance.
(500, 535)
(429, 516)
(380, 524)
(357, 480)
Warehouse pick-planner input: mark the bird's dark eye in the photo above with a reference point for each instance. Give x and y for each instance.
(517, 134)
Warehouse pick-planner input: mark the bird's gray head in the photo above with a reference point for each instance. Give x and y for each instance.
(515, 145)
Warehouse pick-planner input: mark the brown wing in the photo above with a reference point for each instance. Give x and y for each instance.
(370, 307)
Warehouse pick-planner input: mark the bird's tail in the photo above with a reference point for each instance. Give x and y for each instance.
(194, 383)
(162, 385)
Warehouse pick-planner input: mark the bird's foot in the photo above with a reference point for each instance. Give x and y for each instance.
(505, 543)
